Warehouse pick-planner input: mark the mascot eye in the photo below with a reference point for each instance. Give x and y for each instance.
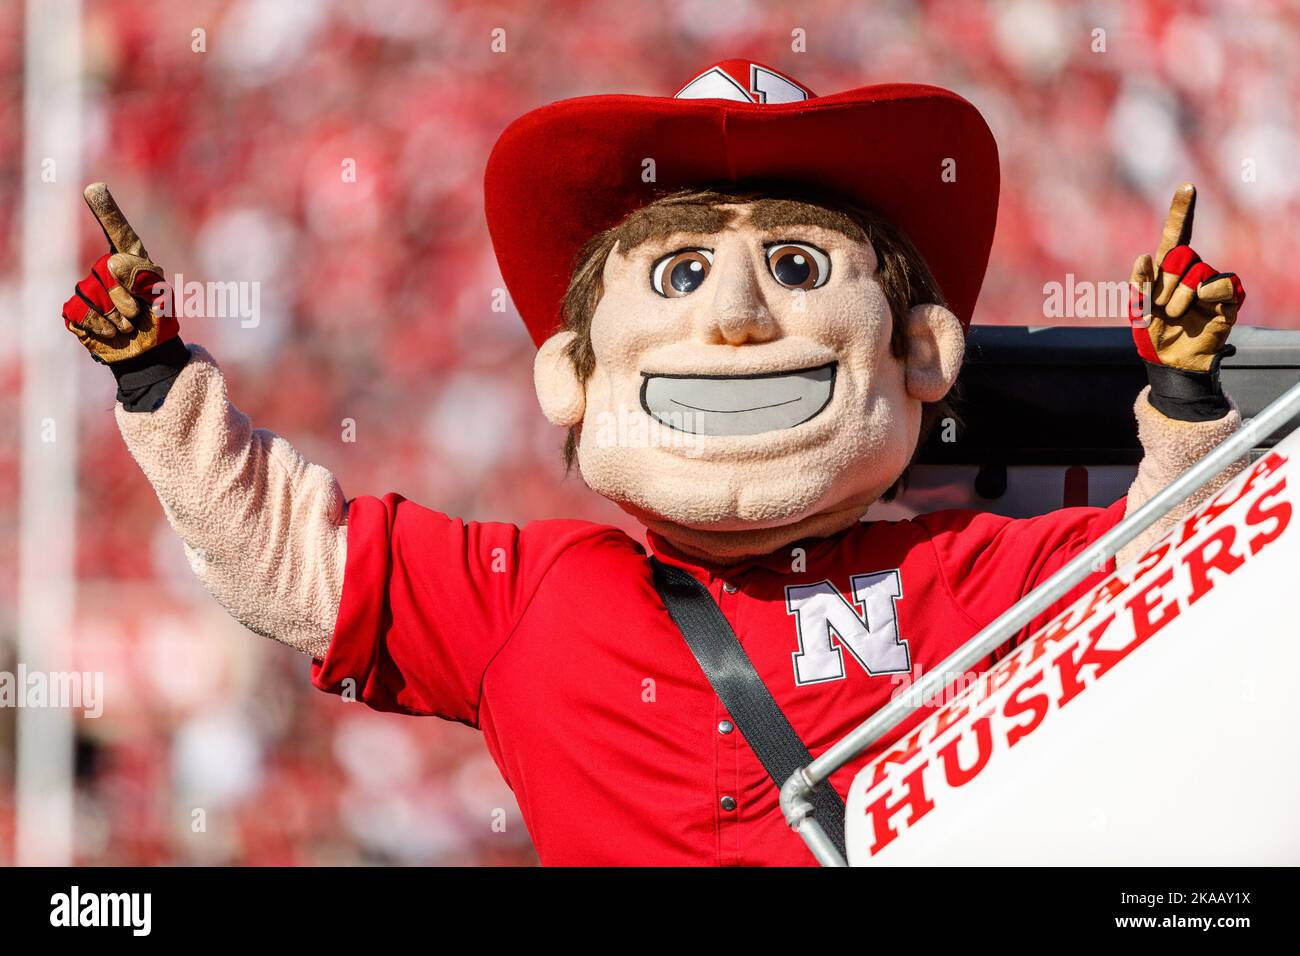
(681, 273)
(797, 265)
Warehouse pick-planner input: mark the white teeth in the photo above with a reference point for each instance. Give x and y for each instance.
(737, 404)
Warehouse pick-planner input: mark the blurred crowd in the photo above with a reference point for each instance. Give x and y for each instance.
(226, 130)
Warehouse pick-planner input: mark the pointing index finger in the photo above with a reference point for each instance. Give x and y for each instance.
(1178, 227)
(119, 232)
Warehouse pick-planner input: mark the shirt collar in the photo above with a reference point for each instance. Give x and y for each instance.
(778, 561)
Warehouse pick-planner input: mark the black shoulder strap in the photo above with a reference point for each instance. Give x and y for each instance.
(747, 699)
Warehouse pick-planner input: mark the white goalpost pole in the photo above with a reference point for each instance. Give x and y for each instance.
(48, 493)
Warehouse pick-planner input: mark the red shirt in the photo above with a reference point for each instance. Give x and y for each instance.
(552, 640)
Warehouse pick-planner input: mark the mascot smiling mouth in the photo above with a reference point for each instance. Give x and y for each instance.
(737, 404)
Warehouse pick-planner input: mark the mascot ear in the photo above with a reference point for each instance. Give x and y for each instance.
(559, 392)
(935, 345)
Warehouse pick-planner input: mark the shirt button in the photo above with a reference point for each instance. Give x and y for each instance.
(728, 803)
(725, 727)
(729, 587)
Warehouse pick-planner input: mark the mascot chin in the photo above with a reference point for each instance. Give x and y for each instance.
(750, 304)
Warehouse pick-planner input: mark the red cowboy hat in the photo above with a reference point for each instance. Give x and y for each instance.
(919, 155)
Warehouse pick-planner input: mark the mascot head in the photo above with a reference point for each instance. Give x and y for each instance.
(750, 301)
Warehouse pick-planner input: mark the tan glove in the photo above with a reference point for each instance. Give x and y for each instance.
(114, 310)
(1182, 318)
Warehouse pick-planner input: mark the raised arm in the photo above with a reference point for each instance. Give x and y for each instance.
(263, 529)
(1181, 320)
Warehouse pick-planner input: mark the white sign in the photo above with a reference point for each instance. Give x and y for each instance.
(1156, 721)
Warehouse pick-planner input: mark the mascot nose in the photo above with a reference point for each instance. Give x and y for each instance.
(738, 312)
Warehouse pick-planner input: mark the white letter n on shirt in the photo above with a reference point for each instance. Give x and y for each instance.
(826, 622)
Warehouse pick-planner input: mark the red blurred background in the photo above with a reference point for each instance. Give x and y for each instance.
(376, 307)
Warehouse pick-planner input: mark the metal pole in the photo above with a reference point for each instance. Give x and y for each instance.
(47, 496)
(794, 792)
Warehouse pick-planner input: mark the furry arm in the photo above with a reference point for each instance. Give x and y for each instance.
(263, 529)
(1170, 447)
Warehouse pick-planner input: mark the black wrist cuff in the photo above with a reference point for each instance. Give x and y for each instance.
(1189, 396)
(144, 381)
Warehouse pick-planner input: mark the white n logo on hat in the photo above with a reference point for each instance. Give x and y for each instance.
(765, 86)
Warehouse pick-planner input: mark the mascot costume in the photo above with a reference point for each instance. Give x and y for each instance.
(750, 303)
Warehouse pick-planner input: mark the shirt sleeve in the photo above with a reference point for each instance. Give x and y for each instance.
(428, 601)
(990, 561)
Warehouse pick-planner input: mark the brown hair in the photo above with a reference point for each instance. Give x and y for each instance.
(902, 273)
